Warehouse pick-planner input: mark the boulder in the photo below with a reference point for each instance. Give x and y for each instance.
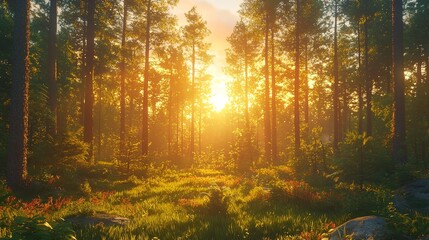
(98, 218)
(362, 228)
(413, 197)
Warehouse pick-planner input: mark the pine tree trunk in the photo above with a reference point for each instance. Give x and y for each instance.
(267, 121)
(399, 145)
(89, 83)
(274, 99)
(52, 70)
(335, 90)
(18, 129)
(297, 83)
(368, 82)
(192, 146)
(122, 100)
(306, 92)
(145, 118)
(360, 91)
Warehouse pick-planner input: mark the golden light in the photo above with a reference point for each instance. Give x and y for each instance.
(219, 96)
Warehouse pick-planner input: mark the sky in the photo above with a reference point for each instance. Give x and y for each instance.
(221, 16)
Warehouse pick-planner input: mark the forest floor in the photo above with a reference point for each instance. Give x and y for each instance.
(197, 203)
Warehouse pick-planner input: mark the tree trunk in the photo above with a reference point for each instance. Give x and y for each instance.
(360, 92)
(192, 146)
(246, 89)
(89, 81)
(368, 82)
(306, 92)
(296, 83)
(267, 121)
(274, 99)
(399, 145)
(335, 90)
(52, 70)
(145, 118)
(122, 100)
(18, 129)
(100, 116)
(170, 106)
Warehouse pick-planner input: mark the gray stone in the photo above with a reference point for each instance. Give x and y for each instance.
(98, 218)
(413, 197)
(362, 228)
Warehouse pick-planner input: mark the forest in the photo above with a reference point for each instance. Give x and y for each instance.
(114, 124)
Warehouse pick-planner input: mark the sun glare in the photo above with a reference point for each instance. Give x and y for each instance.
(219, 96)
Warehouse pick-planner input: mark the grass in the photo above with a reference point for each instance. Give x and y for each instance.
(194, 204)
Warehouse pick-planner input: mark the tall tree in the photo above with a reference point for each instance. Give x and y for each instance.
(18, 130)
(194, 34)
(267, 107)
(296, 82)
(336, 100)
(89, 81)
(122, 101)
(145, 118)
(368, 82)
(52, 70)
(398, 128)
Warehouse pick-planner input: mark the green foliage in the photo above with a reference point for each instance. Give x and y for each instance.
(214, 159)
(413, 225)
(218, 202)
(362, 158)
(38, 228)
(85, 188)
(65, 150)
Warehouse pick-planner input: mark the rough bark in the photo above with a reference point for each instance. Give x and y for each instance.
(18, 129)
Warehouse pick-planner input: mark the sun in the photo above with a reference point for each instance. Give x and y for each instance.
(219, 96)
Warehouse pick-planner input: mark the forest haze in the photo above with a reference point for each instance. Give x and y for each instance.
(107, 99)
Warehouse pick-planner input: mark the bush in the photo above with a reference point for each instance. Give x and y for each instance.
(38, 228)
(362, 158)
(218, 202)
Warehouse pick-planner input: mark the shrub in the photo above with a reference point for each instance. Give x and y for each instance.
(362, 158)
(38, 228)
(218, 202)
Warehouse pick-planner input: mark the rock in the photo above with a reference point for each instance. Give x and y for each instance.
(103, 218)
(368, 227)
(413, 197)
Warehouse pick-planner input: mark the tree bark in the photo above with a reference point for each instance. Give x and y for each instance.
(192, 146)
(360, 93)
(267, 121)
(306, 92)
(368, 82)
(335, 90)
(89, 82)
(145, 118)
(274, 98)
(52, 126)
(297, 83)
(18, 129)
(122, 100)
(399, 145)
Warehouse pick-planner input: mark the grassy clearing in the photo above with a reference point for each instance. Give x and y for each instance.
(192, 204)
